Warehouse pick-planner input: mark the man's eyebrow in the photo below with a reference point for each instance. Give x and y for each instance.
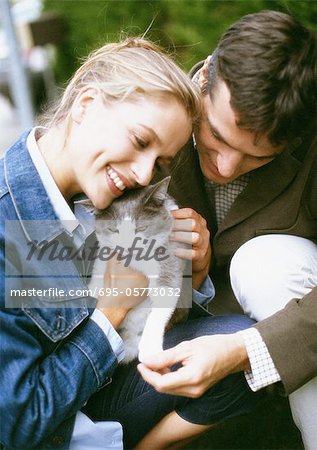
(273, 155)
(168, 159)
(215, 131)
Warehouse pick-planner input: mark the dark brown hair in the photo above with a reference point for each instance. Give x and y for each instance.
(269, 62)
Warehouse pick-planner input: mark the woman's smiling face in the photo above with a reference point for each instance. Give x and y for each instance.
(116, 146)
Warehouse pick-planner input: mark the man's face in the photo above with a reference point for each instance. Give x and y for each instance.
(226, 151)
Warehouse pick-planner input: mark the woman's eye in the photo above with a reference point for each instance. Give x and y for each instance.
(141, 143)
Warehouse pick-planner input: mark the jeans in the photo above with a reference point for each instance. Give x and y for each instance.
(138, 407)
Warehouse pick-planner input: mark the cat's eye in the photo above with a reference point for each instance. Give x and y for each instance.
(140, 229)
(113, 229)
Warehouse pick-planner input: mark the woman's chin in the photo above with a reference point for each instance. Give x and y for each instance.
(102, 203)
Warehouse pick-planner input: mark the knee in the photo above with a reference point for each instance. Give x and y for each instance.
(268, 271)
(304, 412)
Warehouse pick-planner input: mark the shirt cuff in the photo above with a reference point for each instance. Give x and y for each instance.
(205, 293)
(263, 371)
(113, 337)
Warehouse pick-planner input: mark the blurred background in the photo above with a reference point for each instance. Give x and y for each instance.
(42, 43)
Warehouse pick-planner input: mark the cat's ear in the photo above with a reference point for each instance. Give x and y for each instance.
(158, 191)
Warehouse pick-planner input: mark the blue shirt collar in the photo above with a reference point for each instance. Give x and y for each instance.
(29, 197)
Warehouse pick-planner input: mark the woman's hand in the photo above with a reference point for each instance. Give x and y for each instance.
(205, 361)
(191, 228)
(118, 281)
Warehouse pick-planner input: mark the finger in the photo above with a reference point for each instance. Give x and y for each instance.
(188, 254)
(166, 358)
(115, 265)
(191, 238)
(184, 225)
(171, 382)
(184, 213)
(117, 268)
(148, 375)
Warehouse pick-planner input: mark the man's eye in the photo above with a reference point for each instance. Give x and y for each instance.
(162, 163)
(215, 135)
(264, 158)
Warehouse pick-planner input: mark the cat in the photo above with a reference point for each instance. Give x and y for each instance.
(144, 214)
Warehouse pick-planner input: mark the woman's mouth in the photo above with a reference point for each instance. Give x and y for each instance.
(116, 180)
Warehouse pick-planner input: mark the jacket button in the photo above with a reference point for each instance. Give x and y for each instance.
(58, 440)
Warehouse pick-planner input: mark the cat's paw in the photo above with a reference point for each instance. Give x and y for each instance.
(149, 348)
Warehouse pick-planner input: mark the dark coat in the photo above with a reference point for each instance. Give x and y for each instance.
(280, 198)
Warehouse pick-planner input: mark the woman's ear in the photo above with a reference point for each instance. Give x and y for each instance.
(86, 98)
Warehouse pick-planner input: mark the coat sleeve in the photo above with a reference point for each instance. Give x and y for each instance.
(291, 338)
(44, 383)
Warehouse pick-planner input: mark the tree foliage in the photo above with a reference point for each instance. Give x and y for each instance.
(189, 29)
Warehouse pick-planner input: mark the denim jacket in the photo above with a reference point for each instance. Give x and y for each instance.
(44, 338)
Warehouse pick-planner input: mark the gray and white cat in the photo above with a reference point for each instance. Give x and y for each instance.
(143, 216)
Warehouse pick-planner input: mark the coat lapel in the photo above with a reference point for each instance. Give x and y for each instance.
(261, 190)
(187, 186)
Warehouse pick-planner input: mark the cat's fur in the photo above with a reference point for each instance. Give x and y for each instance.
(144, 213)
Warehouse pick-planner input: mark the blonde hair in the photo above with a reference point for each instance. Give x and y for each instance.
(123, 70)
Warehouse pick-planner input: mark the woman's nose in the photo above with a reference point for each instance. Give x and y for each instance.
(143, 171)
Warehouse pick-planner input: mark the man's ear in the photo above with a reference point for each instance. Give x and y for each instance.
(202, 80)
(87, 97)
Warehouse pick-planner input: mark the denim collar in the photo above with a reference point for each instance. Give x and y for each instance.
(28, 195)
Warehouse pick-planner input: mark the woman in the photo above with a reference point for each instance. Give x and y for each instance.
(128, 109)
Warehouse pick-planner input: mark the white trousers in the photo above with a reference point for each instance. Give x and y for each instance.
(266, 273)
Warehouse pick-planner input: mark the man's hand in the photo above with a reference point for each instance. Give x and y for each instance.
(191, 228)
(205, 361)
(119, 279)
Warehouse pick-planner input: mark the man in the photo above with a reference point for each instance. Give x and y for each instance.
(251, 172)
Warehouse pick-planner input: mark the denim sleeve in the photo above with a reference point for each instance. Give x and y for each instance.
(205, 294)
(43, 383)
(112, 336)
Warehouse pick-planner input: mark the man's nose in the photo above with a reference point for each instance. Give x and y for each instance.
(228, 163)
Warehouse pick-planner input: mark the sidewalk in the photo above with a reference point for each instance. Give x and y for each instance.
(10, 129)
